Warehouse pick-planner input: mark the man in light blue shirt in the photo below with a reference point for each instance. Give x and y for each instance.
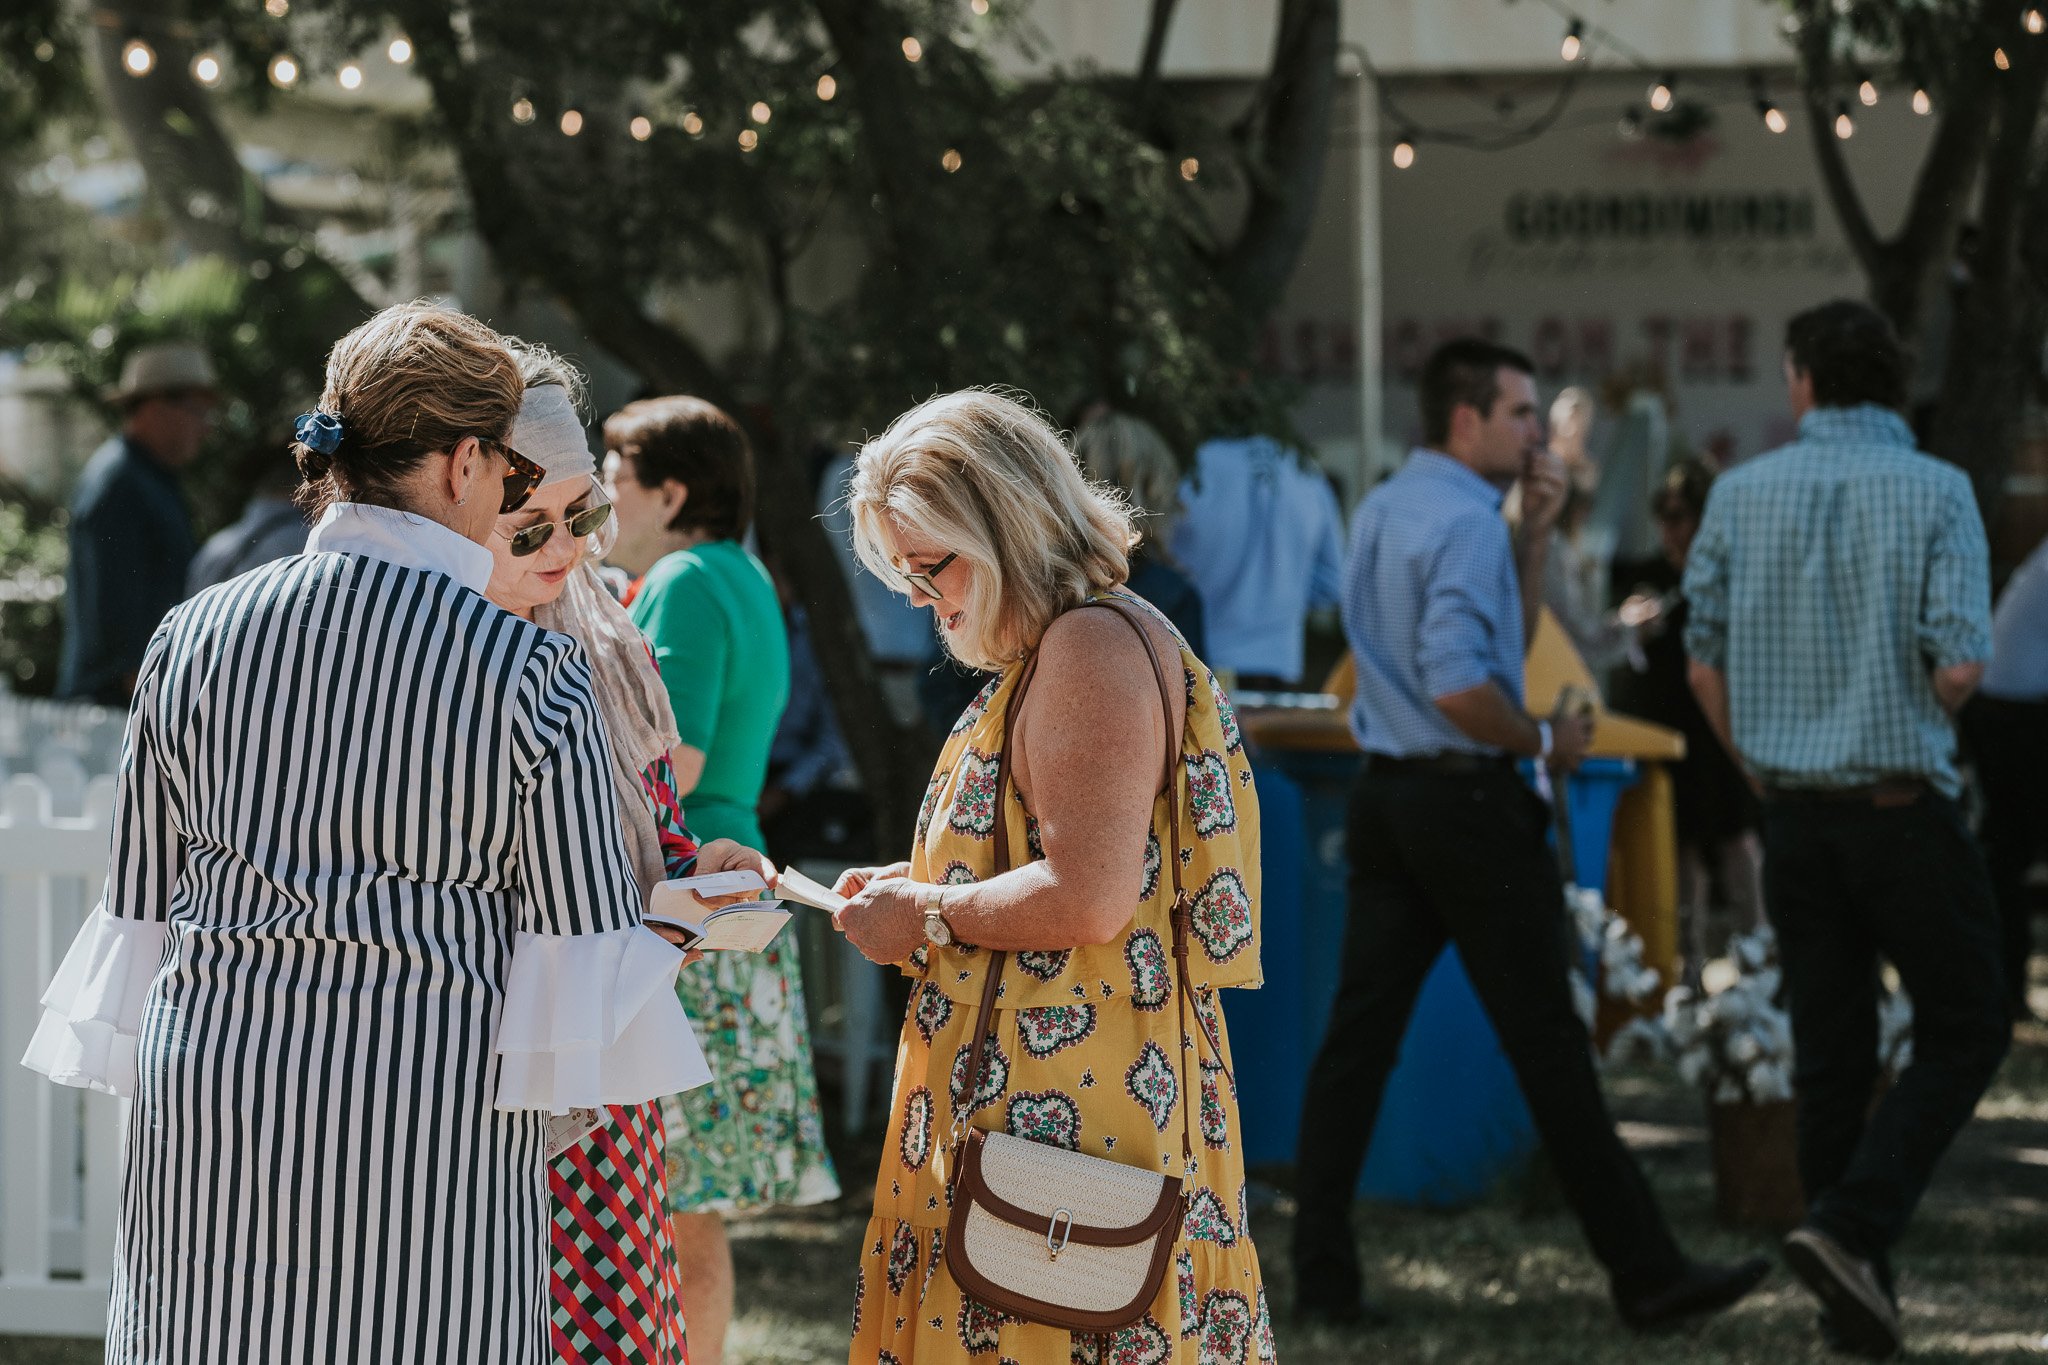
(1447, 843)
(1839, 615)
(1263, 540)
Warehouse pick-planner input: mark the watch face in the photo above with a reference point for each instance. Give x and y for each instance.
(935, 929)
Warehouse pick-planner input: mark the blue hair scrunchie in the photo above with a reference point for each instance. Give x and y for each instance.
(318, 431)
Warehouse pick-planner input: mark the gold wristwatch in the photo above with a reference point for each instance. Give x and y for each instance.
(936, 929)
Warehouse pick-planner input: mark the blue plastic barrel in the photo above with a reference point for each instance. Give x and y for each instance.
(1452, 1125)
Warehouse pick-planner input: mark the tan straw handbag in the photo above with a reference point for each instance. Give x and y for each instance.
(1046, 1234)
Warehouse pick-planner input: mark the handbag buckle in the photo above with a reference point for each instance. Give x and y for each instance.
(1056, 1247)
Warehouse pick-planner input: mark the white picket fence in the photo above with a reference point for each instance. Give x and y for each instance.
(59, 1148)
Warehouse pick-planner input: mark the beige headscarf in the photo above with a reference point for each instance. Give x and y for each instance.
(629, 690)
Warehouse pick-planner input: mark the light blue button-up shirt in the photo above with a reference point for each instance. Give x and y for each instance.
(1828, 579)
(1263, 540)
(2019, 634)
(1432, 605)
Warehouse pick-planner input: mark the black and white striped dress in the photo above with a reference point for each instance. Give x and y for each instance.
(368, 921)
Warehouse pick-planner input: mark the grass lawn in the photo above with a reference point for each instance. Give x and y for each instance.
(1503, 1283)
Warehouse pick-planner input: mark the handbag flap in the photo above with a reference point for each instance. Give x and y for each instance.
(1029, 1184)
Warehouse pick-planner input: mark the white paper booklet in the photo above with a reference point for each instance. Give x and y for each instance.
(794, 885)
(747, 927)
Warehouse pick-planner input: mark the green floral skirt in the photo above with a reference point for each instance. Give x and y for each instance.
(752, 1138)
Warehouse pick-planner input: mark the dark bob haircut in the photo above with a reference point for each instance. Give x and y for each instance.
(1851, 353)
(698, 445)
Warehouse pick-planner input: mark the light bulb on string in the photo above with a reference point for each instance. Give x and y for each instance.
(749, 139)
(2000, 60)
(1845, 127)
(1922, 102)
(1867, 92)
(277, 9)
(761, 113)
(1660, 93)
(400, 51)
(1574, 44)
(913, 50)
(284, 71)
(522, 110)
(978, 6)
(350, 77)
(693, 123)
(949, 161)
(206, 69)
(1404, 154)
(138, 58)
(827, 86)
(1190, 168)
(1771, 114)
(572, 122)
(2036, 23)
(641, 128)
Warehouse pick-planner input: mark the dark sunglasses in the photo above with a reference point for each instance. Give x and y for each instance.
(522, 476)
(927, 581)
(588, 522)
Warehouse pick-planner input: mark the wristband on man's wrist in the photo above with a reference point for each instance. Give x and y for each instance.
(1543, 739)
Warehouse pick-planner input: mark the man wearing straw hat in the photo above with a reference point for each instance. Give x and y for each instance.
(131, 534)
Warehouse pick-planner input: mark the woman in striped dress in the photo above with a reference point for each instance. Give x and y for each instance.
(616, 1288)
(369, 919)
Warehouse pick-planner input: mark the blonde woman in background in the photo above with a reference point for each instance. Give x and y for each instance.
(1129, 454)
(972, 505)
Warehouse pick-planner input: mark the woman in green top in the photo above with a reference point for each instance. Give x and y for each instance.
(681, 479)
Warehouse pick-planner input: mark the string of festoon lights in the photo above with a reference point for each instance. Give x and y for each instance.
(286, 71)
(1576, 48)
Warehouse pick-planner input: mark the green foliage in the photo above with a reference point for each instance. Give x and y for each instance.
(32, 558)
(269, 360)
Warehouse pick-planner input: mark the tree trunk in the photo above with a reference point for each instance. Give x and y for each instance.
(1292, 119)
(893, 759)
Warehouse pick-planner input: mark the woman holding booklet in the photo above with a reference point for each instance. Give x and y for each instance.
(369, 920)
(1084, 879)
(616, 1289)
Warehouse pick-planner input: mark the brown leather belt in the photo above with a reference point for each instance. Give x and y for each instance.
(1884, 794)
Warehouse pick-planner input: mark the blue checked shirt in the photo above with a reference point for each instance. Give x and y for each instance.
(1431, 605)
(1829, 578)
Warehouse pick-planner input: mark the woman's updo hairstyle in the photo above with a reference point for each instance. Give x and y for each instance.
(414, 379)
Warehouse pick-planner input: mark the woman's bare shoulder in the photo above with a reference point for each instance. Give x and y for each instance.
(1093, 660)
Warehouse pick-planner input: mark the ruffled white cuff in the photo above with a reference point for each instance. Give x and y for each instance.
(91, 1026)
(593, 1019)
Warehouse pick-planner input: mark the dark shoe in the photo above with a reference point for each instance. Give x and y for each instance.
(1358, 1315)
(1701, 1288)
(1862, 1314)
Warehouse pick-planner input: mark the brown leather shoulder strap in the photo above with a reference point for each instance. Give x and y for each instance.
(984, 1017)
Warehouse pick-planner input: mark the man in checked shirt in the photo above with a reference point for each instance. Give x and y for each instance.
(1840, 615)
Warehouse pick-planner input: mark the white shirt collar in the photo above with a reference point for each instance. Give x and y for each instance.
(404, 538)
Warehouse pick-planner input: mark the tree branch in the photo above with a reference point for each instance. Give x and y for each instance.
(1148, 63)
(214, 206)
(1287, 172)
(1816, 53)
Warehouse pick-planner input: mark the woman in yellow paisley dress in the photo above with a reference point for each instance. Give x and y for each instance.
(974, 506)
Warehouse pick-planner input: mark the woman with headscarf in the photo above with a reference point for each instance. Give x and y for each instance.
(616, 1289)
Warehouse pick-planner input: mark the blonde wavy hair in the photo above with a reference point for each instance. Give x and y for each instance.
(983, 473)
(1129, 453)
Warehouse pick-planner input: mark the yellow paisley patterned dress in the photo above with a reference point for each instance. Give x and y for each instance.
(1085, 1044)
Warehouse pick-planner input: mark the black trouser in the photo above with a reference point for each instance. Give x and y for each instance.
(1846, 882)
(2009, 742)
(1461, 858)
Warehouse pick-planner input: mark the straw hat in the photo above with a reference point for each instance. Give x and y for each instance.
(164, 367)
